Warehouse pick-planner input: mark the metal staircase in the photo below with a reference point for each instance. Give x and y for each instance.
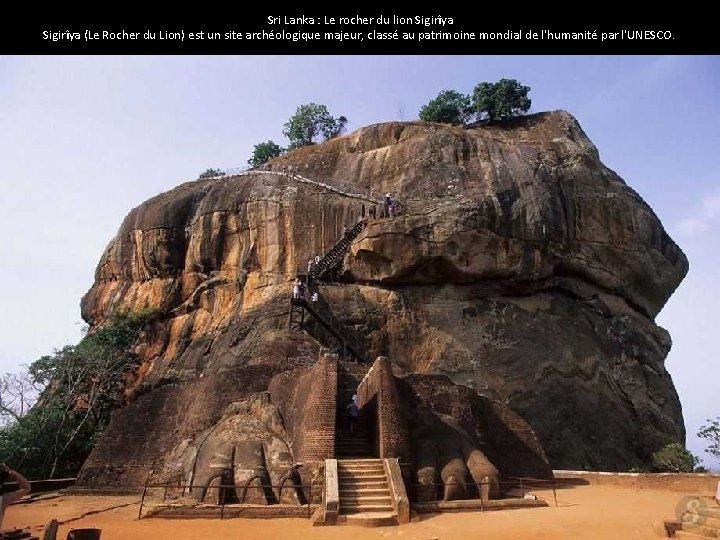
(336, 253)
(319, 309)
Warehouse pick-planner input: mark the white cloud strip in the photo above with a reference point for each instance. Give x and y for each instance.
(705, 218)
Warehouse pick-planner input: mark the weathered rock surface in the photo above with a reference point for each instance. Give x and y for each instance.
(519, 266)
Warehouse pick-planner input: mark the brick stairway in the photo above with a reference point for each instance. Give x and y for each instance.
(699, 521)
(364, 493)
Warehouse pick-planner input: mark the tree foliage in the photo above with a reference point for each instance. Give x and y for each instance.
(79, 386)
(263, 152)
(210, 173)
(674, 457)
(711, 432)
(311, 121)
(503, 99)
(449, 107)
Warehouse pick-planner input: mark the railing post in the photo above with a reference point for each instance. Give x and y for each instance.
(309, 500)
(142, 501)
(221, 496)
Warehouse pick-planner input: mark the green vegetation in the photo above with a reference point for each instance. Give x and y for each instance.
(500, 100)
(674, 457)
(210, 173)
(311, 121)
(448, 107)
(492, 101)
(77, 387)
(711, 432)
(263, 152)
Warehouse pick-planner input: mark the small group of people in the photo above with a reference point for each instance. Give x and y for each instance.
(299, 292)
(390, 205)
(14, 496)
(312, 263)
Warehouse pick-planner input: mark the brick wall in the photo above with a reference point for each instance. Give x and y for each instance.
(316, 439)
(393, 436)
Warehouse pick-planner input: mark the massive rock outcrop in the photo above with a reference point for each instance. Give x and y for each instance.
(518, 265)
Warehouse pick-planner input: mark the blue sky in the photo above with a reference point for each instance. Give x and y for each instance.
(85, 139)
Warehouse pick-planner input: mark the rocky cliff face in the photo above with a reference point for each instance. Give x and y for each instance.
(517, 265)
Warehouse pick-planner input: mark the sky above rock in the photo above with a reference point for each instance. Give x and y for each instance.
(85, 139)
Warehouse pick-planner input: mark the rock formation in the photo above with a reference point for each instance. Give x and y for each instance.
(518, 266)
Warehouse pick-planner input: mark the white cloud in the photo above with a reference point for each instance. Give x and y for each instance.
(705, 218)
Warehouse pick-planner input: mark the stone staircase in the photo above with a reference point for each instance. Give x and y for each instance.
(336, 253)
(357, 444)
(354, 445)
(700, 521)
(365, 497)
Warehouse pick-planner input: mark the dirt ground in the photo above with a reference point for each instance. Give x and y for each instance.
(583, 512)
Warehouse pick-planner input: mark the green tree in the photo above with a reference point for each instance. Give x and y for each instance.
(79, 387)
(210, 173)
(711, 432)
(263, 152)
(503, 99)
(674, 457)
(448, 107)
(311, 121)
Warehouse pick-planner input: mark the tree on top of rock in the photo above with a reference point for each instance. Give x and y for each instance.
(311, 121)
(263, 152)
(448, 107)
(503, 99)
(210, 173)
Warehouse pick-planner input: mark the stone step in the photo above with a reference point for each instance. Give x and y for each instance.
(353, 491)
(364, 484)
(361, 471)
(365, 500)
(357, 508)
(362, 468)
(370, 460)
(368, 519)
(363, 474)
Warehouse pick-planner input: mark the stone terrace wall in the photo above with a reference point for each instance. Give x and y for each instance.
(127, 460)
(393, 434)
(702, 484)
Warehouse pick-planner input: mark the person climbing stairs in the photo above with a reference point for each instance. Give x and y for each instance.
(355, 441)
